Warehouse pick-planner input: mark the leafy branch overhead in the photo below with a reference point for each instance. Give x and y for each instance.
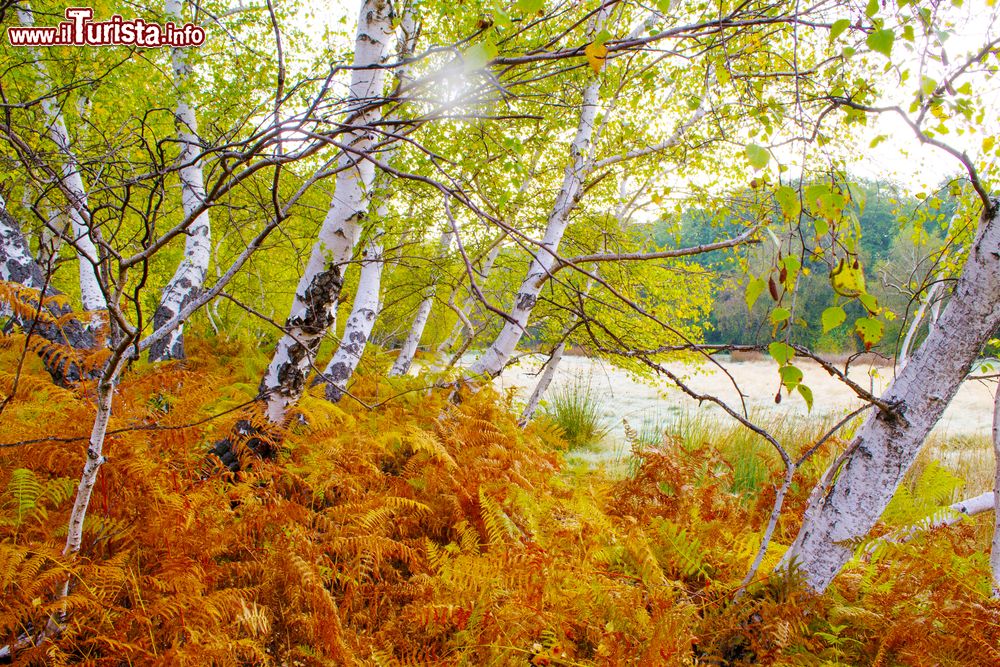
(256, 298)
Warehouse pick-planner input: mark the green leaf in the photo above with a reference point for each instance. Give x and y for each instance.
(872, 8)
(832, 318)
(838, 28)
(602, 38)
(477, 55)
(530, 6)
(881, 41)
(869, 302)
(759, 157)
(807, 394)
(869, 329)
(791, 376)
(779, 315)
(501, 17)
(788, 199)
(927, 85)
(754, 289)
(781, 352)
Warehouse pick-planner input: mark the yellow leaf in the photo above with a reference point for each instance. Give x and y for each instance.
(988, 144)
(847, 279)
(596, 54)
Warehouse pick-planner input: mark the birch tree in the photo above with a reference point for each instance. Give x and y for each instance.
(83, 234)
(493, 360)
(358, 328)
(367, 301)
(190, 275)
(401, 365)
(313, 309)
(843, 510)
(51, 318)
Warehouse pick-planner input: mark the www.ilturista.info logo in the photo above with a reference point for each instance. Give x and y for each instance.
(80, 30)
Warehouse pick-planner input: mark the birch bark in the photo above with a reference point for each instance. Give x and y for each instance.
(358, 328)
(90, 286)
(187, 281)
(544, 380)
(401, 366)
(313, 309)
(552, 364)
(367, 301)
(886, 445)
(18, 266)
(493, 360)
(995, 546)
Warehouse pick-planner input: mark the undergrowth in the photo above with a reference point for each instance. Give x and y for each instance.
(575, 407)
(434, 532)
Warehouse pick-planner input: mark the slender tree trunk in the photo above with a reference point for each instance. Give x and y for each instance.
(95, 449)
(461, 326)
(918, 318)
(552, 365)
(886, 445)
(313, 310)
(493, 360)
(90, 287)
(995, 546)
(401, 366)
(190, 275)
(358, 328)
(368, 301)
(544, 380)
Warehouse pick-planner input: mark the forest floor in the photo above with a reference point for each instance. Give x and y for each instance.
(433, 530)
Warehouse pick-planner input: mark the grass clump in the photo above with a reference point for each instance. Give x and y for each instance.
(575, 408)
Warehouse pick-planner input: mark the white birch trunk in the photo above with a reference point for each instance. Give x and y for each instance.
(552, 365)
(95, 459)
(493, 360)
(886, 445)
(401, 366)
(368, 301)
(90, 286)
(313, 309)
(16, 263)
(358, 328)
(544, 380)
(18, 266)
(918, 318)
(995, 546)
(187, 281)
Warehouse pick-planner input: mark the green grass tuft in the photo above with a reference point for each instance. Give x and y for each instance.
(574, 407)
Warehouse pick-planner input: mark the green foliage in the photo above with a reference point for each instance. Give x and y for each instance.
(577, 409)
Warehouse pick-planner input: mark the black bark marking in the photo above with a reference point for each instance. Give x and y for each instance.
(526, 301)
(73, 333)
(243, 433)
(319, 298)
